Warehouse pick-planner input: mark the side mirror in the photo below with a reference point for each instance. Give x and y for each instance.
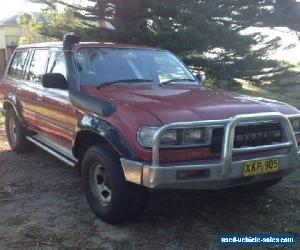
(54, 81)
(201, 77)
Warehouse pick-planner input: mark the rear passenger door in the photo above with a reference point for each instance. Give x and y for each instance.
(52, 105)
(24, 91)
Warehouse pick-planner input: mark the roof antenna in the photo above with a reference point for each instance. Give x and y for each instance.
(70, 40)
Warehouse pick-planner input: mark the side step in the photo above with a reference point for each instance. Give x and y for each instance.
(58, 151)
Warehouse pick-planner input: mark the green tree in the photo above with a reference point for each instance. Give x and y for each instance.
(202, 32)
(30, 28)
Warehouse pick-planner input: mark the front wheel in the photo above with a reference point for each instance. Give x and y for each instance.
(110, 196)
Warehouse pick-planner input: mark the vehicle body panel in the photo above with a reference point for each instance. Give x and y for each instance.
(51, 113)
(15, 89)
(186, 102)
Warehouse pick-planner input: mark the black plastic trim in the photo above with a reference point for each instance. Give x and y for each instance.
(14, 101)
(77, 98)
(107, 132)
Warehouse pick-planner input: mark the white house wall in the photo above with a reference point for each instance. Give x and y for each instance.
(2, 39)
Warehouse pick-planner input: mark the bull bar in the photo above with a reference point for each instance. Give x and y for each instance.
(223, 171)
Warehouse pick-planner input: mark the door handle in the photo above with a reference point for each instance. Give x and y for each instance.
(39, 98)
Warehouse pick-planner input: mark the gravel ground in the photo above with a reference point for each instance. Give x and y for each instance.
(43, 207)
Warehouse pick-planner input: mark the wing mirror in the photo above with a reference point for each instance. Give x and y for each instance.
(54, 81)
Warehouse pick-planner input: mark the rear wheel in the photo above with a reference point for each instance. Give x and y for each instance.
(16, 133)
(110, 196)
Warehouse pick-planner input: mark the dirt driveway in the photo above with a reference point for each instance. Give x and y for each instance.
(42, 206)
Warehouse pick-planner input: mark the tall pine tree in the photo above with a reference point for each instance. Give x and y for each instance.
(202, 32)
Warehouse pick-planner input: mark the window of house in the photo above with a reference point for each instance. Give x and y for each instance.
(17, 65)
(38, 65)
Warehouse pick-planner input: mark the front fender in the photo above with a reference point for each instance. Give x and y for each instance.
(11, 100)
(108, 132)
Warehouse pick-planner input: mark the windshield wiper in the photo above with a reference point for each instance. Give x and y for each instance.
(178, 80)
(123, 81)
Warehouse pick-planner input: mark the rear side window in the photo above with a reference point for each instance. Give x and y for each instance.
(17, 65)
(37, 66)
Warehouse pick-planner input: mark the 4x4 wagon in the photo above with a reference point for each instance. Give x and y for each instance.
(133, 118)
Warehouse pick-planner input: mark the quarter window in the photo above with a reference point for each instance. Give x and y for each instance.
(18, 64)
(38, 65)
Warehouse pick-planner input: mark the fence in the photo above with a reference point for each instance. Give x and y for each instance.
(5, 55)
(2, 61)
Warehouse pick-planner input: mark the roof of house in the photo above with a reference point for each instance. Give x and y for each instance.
(14, 20)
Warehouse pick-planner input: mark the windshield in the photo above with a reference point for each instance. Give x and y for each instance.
(100, 66)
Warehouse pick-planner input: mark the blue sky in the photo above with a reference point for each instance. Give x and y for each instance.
(12, 7)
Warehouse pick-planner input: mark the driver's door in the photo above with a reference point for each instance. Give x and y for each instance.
(52, 109)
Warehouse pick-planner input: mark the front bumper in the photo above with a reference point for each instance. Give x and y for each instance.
(167, 177)
(220, 173)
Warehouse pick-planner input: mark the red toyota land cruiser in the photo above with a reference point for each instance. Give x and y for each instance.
(133, 118)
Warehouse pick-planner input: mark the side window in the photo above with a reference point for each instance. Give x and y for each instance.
(17, 65)
(38, 65)
(57, 63)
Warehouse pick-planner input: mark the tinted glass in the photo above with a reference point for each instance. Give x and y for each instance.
(18, 63)
(38, 65)
(57, 63)
(103, 65)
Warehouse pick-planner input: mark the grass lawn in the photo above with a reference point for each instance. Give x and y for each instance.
(289, 93)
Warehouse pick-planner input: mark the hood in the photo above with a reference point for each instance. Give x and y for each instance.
(186, 102)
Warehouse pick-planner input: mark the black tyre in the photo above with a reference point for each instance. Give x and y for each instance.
(16, 133)
(262, 185)
(110, 196)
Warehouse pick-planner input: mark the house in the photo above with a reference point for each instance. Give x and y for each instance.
(10, 34)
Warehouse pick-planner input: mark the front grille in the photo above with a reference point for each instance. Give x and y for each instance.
(249, 135)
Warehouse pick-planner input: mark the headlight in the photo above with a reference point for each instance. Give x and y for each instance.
(170, 137)
(175, 137)
(296, 125)
(145, 135)
(195, 136)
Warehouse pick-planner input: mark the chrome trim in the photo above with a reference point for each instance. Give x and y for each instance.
(262, 148)
(293, 117)
(257, 123)
(61, 157)
(54, 145)
(165, 177)
(223, 172)
(229, 133)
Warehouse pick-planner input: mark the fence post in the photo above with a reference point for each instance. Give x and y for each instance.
(2, 61)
